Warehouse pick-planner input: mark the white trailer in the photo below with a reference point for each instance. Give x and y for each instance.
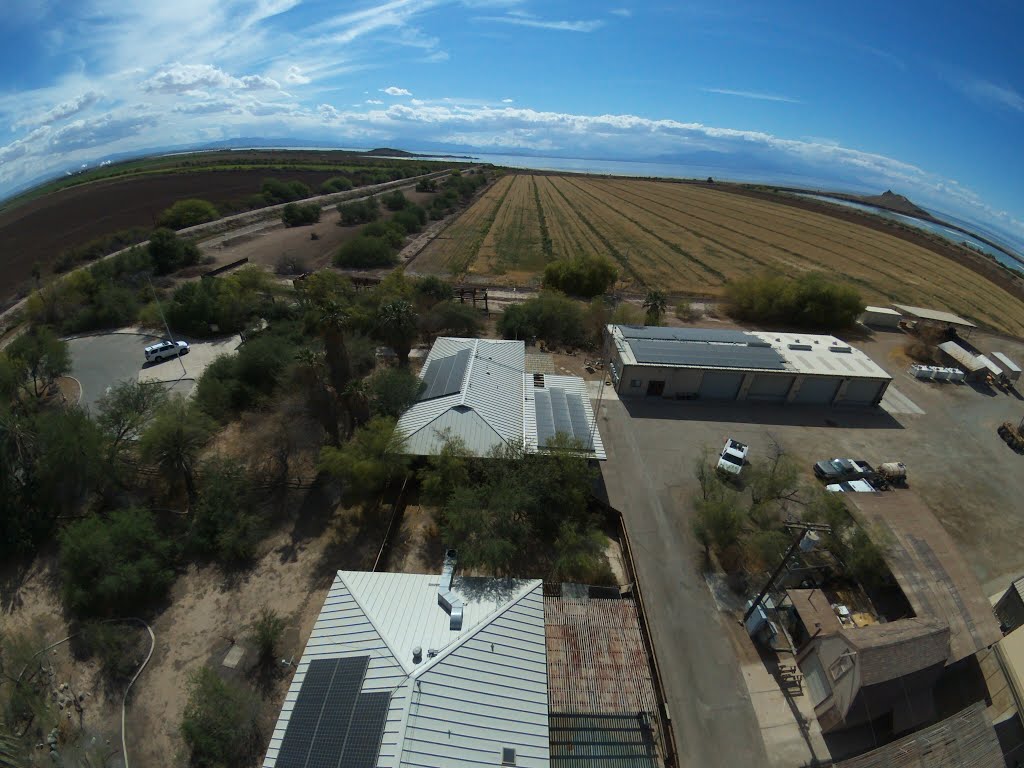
(881, 317)
(1012, 372)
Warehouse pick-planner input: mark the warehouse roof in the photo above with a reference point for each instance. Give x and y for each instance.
(964, 357)
(802, 353)
(934, 315)
(932, 574)
(359, 697)
(965, 739)
(478, 390)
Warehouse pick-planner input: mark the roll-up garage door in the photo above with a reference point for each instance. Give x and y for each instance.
(720, 385)
(684, 383)
(861, 392)
(770, 387)
(816, 391)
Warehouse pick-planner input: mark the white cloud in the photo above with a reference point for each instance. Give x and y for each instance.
(529, 21)
(374, 101)
(507, 101)
(60, 112)
(394, 90)
(295, 76)
(436, 57)
(623, 12)
(182, 78)
(991, 94)
(752, 95)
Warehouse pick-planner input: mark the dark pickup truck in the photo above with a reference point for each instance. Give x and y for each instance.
(836, 470)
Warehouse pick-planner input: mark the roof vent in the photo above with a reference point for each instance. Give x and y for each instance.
(508, 756)
(538, 380)
(840, 349)
(805, 347)
(445, 597)
(417, 655)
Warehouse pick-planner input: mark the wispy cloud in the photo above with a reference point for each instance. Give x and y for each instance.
(561, 26)
(60, 112)
(623, 12)
(752, 95)
(394, 90)
(991, 94)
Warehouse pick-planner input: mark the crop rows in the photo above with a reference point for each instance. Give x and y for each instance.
(688, 239)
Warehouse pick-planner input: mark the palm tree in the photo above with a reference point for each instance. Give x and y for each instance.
(323, 401)
(174, 439)
(332, 320)
(397, 322)
(655, 304)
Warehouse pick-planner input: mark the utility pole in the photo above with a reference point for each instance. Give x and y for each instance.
(802, 529)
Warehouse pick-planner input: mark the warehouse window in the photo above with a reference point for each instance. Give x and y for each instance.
(635, 383)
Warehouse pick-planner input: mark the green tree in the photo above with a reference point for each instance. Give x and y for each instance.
(332, 319)
(169, 253)
(297, 215)
(446, 470)
(655, 304)
(188, 213)
(809, 301)
(398, 327)
(394, 201)
(581, 555)
(124, 411)
(551, 315)
(39, 358)
(432, 290)
(310, 373)
(450, 318)
(626, 313)
(221, 722)
(173, 441)
(225, 524)
(119, 565)
(718, 522)
(393, 390)
(336, 184)
(364, 252)
(492, 529)
(265, 634)
(372, 459)
(585, 276)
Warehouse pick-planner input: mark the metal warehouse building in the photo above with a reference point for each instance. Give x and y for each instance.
(695, 363)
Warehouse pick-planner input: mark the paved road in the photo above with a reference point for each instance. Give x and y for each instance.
(711, 713)
(98, 362)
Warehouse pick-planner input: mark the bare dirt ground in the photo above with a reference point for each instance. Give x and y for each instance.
(271, 244)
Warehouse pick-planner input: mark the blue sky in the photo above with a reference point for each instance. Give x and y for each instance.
(923, 98)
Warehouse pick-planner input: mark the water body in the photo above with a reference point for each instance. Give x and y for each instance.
(949, 234)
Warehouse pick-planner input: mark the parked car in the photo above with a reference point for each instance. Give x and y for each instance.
(851, 486)
(165, 349)
(733, 457)
(842, 469)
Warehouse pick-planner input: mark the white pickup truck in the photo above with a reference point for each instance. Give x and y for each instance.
(733, 457)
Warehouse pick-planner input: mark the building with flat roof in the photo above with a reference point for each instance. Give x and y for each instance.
(479, 391)
(707, 364)
(934, 316)
(881, 317)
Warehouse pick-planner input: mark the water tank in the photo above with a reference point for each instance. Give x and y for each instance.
(941, 374)
(921, 371)
(810, 541)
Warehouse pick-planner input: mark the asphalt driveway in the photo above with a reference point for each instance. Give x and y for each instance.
(100, 362)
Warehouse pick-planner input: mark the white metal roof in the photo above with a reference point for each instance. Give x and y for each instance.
(802, 353)
(936, 315)
(965, 358)
(881, 311)
(491, 407)
(484, 687)
(1011, 366)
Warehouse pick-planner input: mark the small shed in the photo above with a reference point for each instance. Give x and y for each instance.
(881, 317)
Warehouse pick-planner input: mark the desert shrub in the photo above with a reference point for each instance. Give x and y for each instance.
(359, 212)
(369, 461)
(686, 312)
(393, 390)
(169, 253)
(808, 301)
(265, 634)
(220, 725)
(450, 318)
(426, 185)
(276, 191)
(296, 215)
(364, 252)
(585, 276)
(115, 646)
(99, 247)
(432, 289)
(116, 565)
(411, 219)
(187, 213)
(390, 231)
(551, 316)
(336, 184)
(394, 201)
(231, 384)
(225, 525)
(219, 306)
(626, 313)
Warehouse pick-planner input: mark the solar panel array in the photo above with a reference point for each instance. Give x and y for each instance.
(718, 355)
(690, 334)
(444, 375)
(561, 411)
(332, 724)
